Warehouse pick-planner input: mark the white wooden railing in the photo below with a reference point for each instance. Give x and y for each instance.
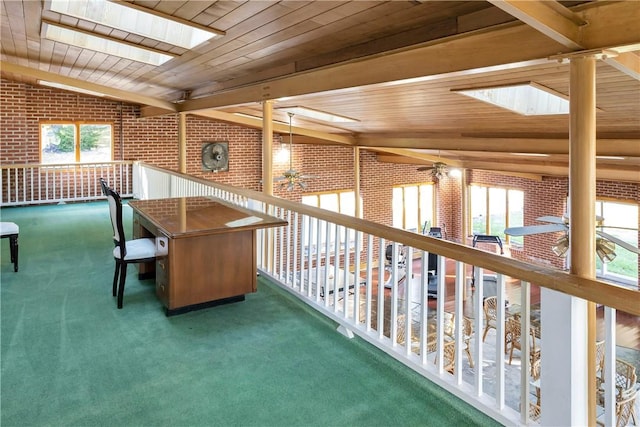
(30, 184)
(336, 277)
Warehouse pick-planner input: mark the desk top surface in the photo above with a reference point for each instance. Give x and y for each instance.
(188, 216)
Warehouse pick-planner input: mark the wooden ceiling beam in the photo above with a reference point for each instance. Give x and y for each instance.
(630, 174)
(564, 26)
(256, 123)
(483, 49)
(549, 17)
(81, 84)
(604, 147)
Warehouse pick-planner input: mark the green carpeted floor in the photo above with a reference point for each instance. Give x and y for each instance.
(70, 358)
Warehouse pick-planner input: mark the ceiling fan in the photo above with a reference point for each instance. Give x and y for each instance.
(438, 170)
(605, 242)
(291, 177)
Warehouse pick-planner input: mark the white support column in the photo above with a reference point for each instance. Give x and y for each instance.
(568, 323)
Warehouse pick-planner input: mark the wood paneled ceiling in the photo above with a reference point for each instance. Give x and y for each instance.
(390, 65)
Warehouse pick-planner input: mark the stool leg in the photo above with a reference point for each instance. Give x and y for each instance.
(13, 248)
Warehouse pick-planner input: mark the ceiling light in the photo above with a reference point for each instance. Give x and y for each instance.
(124, 18)
(70, 88)
(318, 115)
(605, 250)
(610, 158)
(561, 246)
(103, 45)
(529, 99)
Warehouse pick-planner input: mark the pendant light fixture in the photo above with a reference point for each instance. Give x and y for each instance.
(291, 177)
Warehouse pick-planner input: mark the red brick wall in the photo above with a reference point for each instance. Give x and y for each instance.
(154, 140)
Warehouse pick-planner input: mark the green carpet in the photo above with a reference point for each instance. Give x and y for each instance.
(69, 357)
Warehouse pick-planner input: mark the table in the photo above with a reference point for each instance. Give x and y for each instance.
(207, 250)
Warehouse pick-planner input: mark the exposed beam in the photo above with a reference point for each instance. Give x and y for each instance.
(277, 127)
(605, 147)
(548, 17)
(497, 46)
(417, 155)
(627, 174)
(564, 26)
(81, 84)
(628, 63)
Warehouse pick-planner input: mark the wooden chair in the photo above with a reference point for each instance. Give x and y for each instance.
(624, 410)
(126, 252)
(489, 306)
(599, 363)
(535, 360)
(513, 336)
(11, 231)
(449, 356)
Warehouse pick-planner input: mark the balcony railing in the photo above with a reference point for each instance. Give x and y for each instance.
(349, 279)
(30, 184)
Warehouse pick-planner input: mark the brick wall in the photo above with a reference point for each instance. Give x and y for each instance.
(154, 140)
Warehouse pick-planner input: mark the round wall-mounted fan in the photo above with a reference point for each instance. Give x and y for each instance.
(605, 242)
(215, 156)
(438, 170)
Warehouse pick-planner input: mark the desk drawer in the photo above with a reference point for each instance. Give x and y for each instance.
(162, 280)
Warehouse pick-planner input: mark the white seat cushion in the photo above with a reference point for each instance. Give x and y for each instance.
(7, 228)
(137, 249)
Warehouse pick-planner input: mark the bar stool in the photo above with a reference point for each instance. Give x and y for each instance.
(11, 230)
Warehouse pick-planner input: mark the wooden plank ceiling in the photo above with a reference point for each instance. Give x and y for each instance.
(391, 65)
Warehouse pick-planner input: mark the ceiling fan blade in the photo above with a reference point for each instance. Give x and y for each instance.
(534, 229)
(551, 219)
(425, 168)
(619, 242)
(280, 178)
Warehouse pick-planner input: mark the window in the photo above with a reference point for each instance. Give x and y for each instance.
(59, 142)
(494, 209)
(413, 207)
(623, 220)
(341, 202)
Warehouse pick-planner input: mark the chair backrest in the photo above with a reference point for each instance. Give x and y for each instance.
(115, 212)
(104, 186)
(625, 375)
(490, 306)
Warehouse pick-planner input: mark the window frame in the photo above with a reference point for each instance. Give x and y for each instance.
(77, 124)
(422, 216)
(509, 240)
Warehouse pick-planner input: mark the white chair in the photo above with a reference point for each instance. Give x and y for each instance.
(10, 230)
(126, 252)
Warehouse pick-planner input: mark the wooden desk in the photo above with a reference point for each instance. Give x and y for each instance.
(211, 257)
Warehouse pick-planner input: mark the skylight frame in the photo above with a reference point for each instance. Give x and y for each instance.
(135, 20)
(540, 100)
(102, 44)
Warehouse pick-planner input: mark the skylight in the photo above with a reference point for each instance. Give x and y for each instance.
(99, 44)
(529, 99)
(134, 21)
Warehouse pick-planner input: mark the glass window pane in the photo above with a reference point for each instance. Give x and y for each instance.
(329, 202)
(625, 216)
(348, 203)
(412, 222)
(478, 209)
(397, 204)
(310, 200)
(95, 143)
(58, 143)
(426, 208)
(497, 211)
(516, 213)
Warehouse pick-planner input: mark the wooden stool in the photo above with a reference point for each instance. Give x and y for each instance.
(11, 230)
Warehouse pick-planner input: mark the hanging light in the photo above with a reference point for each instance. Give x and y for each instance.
(561, 246)
(291, 177)
(605, 250)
